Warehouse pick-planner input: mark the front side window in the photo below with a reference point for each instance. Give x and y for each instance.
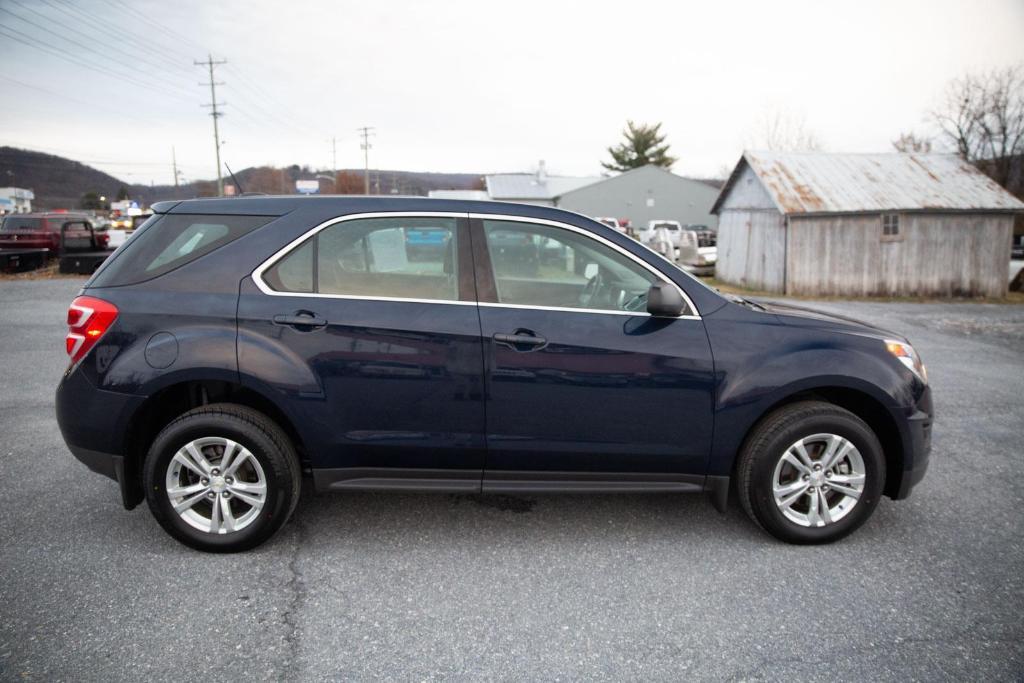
(540, 265)
(405, 258)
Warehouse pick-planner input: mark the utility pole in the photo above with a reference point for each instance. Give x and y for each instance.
(366, 132)
(209, 64)
(174, 165)
(334, 156)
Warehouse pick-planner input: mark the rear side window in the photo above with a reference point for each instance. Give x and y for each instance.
(17, 223)
(401, 257)
(169, 242)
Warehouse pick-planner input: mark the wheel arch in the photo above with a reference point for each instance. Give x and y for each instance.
(175, 399)
(862, 404)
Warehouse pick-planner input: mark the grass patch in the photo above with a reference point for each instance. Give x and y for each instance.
(1010, 298)
(51, 271)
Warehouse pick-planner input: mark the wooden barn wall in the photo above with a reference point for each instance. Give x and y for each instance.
(751, 249)
(937, 255)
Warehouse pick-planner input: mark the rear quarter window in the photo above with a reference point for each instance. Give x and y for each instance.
(170, 241)
(18, 224)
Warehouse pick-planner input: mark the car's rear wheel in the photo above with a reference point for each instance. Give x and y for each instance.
(811, 472)
(222, 478)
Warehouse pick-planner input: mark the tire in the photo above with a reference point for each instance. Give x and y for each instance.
(263, 457)
(763, 467)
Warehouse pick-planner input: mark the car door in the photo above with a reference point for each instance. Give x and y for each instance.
(76, 235)
(584, 388)
(367, 329)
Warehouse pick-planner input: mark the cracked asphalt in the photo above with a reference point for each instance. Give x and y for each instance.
(421, 587)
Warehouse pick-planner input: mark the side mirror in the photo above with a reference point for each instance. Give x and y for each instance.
(664, 299)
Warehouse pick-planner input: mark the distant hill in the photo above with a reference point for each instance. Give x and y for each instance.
(60, 183)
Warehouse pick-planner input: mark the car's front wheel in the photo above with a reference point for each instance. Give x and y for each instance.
(811, 472)
(222, 478)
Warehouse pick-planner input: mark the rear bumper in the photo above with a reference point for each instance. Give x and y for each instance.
(112, 466)
(93, 423)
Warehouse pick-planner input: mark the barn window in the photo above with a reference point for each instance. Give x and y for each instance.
(890, 226)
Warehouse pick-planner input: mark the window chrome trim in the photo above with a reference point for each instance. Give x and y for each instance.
(257, 274)
(693, 315)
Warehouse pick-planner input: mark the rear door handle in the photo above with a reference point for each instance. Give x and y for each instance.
(310, 320)
(518, 340)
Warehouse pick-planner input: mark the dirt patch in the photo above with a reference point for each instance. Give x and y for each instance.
(726, 288)
(51, 271)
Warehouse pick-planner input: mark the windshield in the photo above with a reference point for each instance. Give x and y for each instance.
(12, 223)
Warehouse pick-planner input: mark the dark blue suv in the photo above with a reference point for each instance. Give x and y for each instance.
(232, 346)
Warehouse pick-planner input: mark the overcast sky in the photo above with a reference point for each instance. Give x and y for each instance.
(476, 86)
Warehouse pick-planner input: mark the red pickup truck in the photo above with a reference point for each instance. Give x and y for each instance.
(53, 231)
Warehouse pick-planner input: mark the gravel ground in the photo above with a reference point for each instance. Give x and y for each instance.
(404, 587)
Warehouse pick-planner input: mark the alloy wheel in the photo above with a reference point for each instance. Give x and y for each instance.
(818, 480)
(216, 485)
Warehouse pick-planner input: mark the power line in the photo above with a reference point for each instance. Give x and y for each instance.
(47, 30)
(63, 97)
(35, 43)
(72, 12)
(162, 29)
(209, 63)
(112, 45)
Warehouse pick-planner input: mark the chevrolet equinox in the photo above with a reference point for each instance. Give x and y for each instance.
(232, 346)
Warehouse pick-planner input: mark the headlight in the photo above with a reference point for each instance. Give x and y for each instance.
(906, 354)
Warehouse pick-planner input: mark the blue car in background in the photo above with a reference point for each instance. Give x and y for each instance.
(234, 346)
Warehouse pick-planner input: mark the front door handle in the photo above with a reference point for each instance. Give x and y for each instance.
(300, 320)
(521, 341)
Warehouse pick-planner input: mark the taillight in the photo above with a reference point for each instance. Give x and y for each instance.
(88, 320)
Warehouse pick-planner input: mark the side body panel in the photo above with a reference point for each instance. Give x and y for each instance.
(762, 360)
(386, 387)
(388, 392)
(606, 399)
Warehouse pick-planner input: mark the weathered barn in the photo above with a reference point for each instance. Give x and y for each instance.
(864, 224)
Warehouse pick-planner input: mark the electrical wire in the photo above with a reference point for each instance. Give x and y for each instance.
(81, 45)
(80, 60)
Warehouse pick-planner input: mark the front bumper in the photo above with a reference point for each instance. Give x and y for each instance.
(918, 447)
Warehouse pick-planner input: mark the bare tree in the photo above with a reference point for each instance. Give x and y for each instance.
(982, 116)
(912, 143)
(784, 132)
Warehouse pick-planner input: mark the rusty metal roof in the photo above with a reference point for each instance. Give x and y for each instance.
(819, 182)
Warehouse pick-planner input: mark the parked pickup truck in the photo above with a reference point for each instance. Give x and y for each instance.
(45, 231)
(693, 256)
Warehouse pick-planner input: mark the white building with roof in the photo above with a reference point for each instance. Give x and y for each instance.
(476, 195)
(16, 200)
(864, 224)
(533, 188)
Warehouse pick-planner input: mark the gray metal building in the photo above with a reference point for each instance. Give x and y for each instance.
(864, 224)
(533, 188)
(644, 194)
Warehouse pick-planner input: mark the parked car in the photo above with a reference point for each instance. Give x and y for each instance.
(612, 223)
(235, 344)
(1017, 251)
(52, 231)
(694, 258)
(647, 232)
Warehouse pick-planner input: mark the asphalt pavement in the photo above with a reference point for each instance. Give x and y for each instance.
(423, 587)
